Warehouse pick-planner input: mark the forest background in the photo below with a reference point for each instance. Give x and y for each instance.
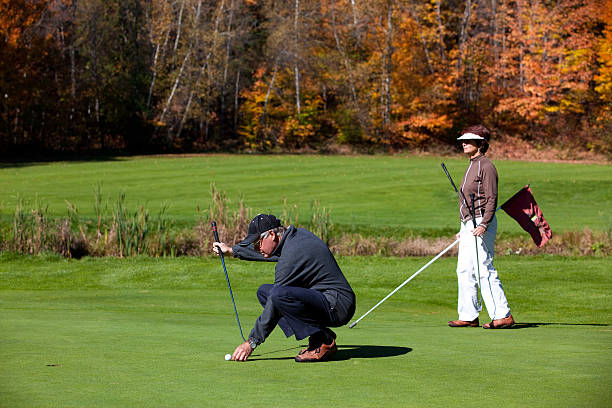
(143, 76)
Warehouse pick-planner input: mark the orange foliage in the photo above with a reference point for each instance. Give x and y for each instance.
(252, 110)
(17, 16)
(545, 68)
(421, 98)
(604, 75)
(235, 70)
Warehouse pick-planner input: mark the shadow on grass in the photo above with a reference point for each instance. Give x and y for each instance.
(348, 352)
(345, 352)
(531, 325)
(39, 160)
(267, 354)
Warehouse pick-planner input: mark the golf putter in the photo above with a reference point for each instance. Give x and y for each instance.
(472, 211)
(216, 235)
(405, 282)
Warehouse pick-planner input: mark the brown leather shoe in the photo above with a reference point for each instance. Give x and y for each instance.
(321, 353)
(316, 339)
(464, 323)
(505, 323)
(314, 342)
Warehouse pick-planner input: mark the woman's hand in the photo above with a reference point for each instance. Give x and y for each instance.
(479, 231)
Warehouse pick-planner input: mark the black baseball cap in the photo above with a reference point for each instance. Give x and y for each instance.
(260, 224)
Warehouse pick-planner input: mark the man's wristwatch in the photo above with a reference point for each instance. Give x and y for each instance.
(252, 344)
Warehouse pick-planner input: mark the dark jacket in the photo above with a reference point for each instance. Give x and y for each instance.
(303, 260)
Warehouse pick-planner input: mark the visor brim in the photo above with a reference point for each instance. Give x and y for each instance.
(470, 136)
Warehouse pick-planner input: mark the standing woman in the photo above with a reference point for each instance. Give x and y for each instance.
(480, 179)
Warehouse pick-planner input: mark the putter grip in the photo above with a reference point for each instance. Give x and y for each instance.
(214, 230)
(473, 210)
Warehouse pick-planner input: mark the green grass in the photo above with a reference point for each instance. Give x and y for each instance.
(369, 194)
(146, 332)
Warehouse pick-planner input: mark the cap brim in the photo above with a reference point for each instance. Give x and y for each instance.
(249, 240)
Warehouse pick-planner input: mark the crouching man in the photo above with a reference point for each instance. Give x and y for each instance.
(309, 295)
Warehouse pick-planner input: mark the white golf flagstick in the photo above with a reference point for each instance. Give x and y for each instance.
(448, 248)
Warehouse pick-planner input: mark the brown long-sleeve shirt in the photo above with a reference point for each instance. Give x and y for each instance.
(480, 179)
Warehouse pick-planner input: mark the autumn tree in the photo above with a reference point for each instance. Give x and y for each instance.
(30, 86)
(201, 75)
(603, 78)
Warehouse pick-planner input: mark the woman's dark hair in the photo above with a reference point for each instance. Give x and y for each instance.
(482, 131)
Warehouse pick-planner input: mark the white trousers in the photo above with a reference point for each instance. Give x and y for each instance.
(467, 274)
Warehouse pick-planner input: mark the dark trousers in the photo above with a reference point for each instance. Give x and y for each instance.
(303, 312)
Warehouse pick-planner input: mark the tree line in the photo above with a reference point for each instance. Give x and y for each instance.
(268, 75)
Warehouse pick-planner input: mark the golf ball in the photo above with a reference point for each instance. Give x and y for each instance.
(228, 357)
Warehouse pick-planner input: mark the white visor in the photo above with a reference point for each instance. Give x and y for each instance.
(470, 136)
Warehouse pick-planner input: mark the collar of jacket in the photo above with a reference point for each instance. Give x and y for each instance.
(480, 156)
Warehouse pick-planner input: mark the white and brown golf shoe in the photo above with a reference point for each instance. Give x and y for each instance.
(505, 323)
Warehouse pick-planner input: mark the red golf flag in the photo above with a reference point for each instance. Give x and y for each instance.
(524, 209)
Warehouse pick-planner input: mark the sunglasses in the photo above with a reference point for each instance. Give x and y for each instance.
(257, 244)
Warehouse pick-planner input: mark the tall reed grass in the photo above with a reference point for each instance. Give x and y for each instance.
(31, 232)
(118, 230)
(122, 231)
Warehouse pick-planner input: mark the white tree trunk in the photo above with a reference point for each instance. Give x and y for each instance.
(296, 67)
(207, 64)
(354, 12)
(236, 93)
(178, 26)
(154, 75)
(349, 73)
(176, 83)
(72, 55)
(227, 54)
(463, 33)
(263, 114)
(229, 41)
(387, 66)
(415, 16)
(441, 45)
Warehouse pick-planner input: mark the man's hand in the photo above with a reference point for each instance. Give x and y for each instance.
(242, 352)
(226, 249)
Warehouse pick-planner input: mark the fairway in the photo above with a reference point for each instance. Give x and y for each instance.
(144, 332)
(372, 194)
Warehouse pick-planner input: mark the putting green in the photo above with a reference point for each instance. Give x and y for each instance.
(146, 332)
